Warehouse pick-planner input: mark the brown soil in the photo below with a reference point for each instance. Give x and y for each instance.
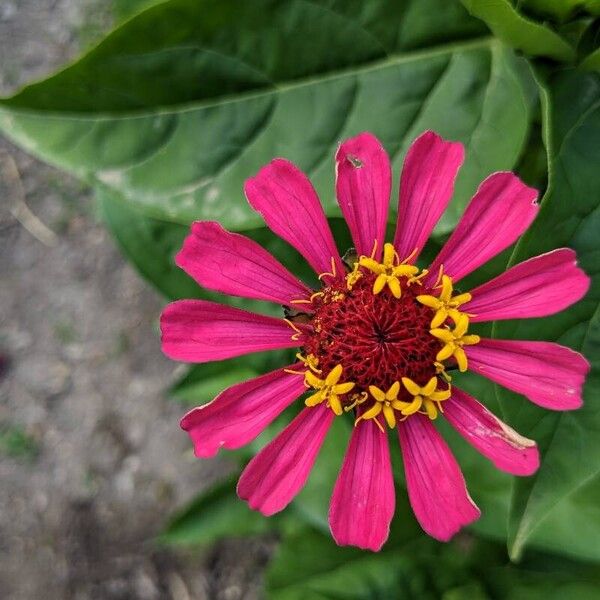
(92, 460)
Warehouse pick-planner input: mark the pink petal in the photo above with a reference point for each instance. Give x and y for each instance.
(201, 331)
(549, 374)
(240, 413)
(436, 487)
(540, 286)
(508, 450)
(426, 186)
(233, 264)
(279, 471)
(287, 201)
(363, 186)
(501, 210)
(363, 501)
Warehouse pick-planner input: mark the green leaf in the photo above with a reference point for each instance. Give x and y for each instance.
(519, 31)
(592, 61)
(309, 566)
(589, 46)
(470, 591)
(150, 244)
(570, 216)
(237, 47)
(542, 588)
(561, 10)
(213, 515)
(574, 518)
(182, 103)
(123, 9)
(204, 382)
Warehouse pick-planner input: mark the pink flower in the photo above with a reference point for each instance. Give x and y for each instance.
(378, 339)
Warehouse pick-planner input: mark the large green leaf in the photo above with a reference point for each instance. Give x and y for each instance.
(570, 216)
(178, 106)
(519, 31)
(571, 526)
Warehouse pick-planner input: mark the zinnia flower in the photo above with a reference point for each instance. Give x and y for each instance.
(378, 341)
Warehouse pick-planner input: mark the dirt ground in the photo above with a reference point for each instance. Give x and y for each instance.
(92, 460)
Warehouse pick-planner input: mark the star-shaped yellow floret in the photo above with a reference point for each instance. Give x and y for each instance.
(426, 399)
(389, 271)
(328, 390)
(385, 402)
(310, 361)
(445, 305)
(454, 340)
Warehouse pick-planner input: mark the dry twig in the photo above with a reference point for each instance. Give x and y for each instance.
(12, 191)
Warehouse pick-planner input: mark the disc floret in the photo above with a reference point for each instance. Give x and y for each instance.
(445, 305)
(385, 402)
(373, 327)
(454, 339)
(390, 271)
(427, 397)
(329, 389)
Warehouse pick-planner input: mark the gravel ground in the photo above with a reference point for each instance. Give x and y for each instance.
(92, 460)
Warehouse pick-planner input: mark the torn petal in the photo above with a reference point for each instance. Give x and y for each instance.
(508, 450)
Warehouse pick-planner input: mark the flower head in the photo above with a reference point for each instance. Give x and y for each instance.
(379, 338)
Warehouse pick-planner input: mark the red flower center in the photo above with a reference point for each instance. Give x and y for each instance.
(377, 338)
